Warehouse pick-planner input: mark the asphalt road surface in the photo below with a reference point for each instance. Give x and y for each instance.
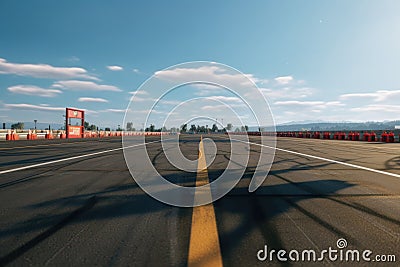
(74, 203)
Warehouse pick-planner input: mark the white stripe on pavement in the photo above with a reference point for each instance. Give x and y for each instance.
(71, 158)
(325, 159)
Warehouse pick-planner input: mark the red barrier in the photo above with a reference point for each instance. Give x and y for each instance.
(48, 135)
(384, 137)
(350, 136)
(372, 137)
(12, 136)
(336, 136)
(316, 135)
(31, 135)
(327, 135)
(391, 137)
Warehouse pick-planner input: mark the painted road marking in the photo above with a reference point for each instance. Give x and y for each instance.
(72, 158)
(324, 159)
(374, 145)
(57, 144)
(204, 249)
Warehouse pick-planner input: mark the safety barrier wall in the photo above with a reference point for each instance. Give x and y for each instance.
(13, 135)
(368, 136)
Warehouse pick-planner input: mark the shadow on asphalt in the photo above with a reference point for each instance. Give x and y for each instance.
(256, 209)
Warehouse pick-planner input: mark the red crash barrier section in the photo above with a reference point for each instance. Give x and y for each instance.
(387, 137)
(353, 136)
(49, 135)
(31, 136)
(339, 136)
(372, 137)
(316, 135)
(12, 135)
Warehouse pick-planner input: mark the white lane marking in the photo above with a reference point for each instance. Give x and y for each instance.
(71, 158)
(348, 143)
(325, 159)
(41, 145)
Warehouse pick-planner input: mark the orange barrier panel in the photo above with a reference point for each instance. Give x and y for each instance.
(48, 135)
(12, 136)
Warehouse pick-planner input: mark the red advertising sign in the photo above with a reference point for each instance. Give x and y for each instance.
(74, 113)
(74, 131)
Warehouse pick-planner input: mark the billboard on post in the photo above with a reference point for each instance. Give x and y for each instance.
(74, 131)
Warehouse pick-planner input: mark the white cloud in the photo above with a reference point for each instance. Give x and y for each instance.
(33, 90)
(44, 71)
(213, 74)
(381, 108)
(169, 102)
(141, 92)
(226, 98)
(42, 107)
(136, 70)
(116, 110)
(287, 92)
(378, 96)
(85, 86)
(92, 99)
(298, 103)
(115, 68)
(313, 104)
(357, 95)
(214, 107)
(283, 79)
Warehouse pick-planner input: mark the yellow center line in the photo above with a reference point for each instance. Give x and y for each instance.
(204, 249)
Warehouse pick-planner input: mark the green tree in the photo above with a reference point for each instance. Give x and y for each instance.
(229, 126)
(214, 128)
(184, 128)
(92, 127)
(192, 128)
(152, 128)
(129, 126)
(17, 126)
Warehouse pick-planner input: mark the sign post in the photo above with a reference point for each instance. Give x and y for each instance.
(74, 131)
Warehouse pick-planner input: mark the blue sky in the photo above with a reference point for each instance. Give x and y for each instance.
(313, 60)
